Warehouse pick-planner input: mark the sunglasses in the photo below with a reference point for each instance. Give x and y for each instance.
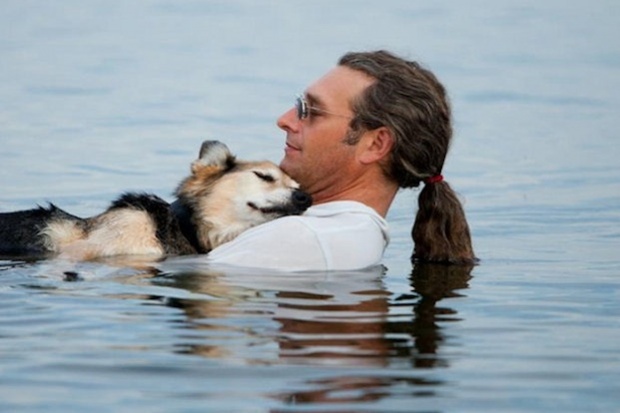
(304, 110)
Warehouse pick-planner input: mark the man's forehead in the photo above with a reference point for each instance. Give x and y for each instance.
(339, 84)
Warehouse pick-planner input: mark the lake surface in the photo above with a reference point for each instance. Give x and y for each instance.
(101, 97)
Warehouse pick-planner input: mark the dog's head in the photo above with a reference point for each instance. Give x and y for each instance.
(228, 196)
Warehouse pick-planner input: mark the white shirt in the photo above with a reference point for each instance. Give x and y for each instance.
(340, 235)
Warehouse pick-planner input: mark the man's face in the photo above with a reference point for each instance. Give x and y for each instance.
(315, 154)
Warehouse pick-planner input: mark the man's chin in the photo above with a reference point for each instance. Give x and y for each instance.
(288, 168)
(286, 164)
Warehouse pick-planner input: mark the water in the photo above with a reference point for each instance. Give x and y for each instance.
(100, 97)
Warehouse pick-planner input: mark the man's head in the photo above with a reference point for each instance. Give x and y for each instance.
(318, 154)
(412, 104)
(377, 94)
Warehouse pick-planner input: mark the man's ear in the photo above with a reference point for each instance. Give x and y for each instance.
(375, 145)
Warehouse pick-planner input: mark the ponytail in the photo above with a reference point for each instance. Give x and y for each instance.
(409, 100)
(440, 231)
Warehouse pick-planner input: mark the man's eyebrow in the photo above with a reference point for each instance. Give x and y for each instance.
(314, 100)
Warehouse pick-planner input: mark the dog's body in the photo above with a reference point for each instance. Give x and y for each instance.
(220, 199)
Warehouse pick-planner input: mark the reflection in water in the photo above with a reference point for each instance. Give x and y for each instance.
(433, 283)
(330, 328)
(357, 389)
(415, 337)
(344, 319)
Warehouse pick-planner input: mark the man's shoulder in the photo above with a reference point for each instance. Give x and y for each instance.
(319, 218)
(340, 208)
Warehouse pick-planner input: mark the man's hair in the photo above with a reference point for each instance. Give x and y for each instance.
(409, 100)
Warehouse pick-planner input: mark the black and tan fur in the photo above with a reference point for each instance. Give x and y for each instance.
(220, 199)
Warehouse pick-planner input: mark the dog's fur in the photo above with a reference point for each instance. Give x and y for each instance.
(220, 199)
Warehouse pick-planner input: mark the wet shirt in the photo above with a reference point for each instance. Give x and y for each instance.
(340, 235)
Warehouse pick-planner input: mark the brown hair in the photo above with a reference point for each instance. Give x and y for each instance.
(410, 101)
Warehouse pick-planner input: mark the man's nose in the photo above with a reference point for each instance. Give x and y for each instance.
(288, 121)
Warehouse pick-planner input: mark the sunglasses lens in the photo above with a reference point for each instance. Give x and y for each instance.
(302, 109)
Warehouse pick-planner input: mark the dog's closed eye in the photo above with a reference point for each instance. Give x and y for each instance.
(265, 177)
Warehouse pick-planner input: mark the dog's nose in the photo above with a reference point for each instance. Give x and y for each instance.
(301, 199)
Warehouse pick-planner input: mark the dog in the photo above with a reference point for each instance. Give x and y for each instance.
(221, 198)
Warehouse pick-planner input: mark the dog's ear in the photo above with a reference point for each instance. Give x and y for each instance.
(215, 154)
(214, 160)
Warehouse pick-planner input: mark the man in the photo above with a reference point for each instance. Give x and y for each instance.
(371, 125)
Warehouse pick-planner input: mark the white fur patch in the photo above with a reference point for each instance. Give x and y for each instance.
(58, 235)
(118, 232)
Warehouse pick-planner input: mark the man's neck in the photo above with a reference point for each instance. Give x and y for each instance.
(377, 195)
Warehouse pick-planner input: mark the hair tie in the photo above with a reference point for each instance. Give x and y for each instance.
(434, 179)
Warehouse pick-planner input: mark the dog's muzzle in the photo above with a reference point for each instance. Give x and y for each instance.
(299, 202)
